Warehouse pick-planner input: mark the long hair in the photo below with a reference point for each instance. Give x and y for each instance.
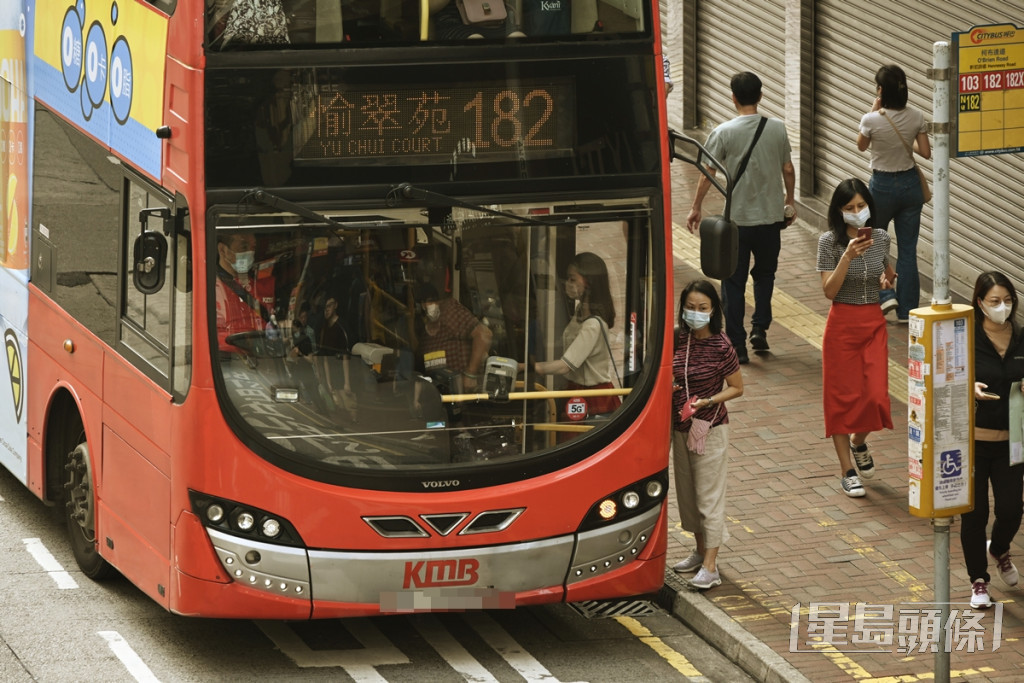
(707, 289)
(984, 284)
(597, 293)
(893, 82)
(844, 192)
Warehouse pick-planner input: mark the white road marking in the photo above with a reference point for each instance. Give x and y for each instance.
(377, 650)
(136, 667)
(49, 563)
(451, 650)
(511, 651)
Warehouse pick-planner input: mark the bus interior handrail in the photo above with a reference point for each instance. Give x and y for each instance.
(529, 395)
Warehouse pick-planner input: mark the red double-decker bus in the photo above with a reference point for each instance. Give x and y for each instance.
(296, 294)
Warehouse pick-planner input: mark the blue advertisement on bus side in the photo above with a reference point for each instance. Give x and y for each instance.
(88, 59)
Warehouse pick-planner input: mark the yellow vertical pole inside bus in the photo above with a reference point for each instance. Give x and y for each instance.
(940, 408)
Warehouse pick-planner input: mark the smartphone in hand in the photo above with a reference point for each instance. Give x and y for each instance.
(989, 394)
(864, 233)
(687, 410)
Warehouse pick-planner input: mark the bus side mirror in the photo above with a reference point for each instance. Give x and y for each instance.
(719, 247)
(149, 262)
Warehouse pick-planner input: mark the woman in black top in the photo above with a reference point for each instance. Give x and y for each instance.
(998, 362)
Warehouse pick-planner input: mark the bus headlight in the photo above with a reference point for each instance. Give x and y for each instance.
(271, 527)
(245, 521)
(215, 513)
(627, 502)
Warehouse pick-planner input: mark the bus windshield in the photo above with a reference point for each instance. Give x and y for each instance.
(277, 24)
(412, 338)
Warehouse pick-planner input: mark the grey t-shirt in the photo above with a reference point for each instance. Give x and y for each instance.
(887, 152)
(760, 195)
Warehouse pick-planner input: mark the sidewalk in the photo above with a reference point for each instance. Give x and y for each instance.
(795, 538)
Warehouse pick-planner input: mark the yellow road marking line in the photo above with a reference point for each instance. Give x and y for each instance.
(787, 311)
(676, 659)
(888, 567)
(841, 660)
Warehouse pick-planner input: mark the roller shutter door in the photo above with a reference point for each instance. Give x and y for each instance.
(986, 210)
(733, 37)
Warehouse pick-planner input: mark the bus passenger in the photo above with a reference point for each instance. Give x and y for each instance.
(246, 22)
(302, 356)
(450, 25)
(998, 363)
(453, 343)
(335, 355)
(239, 309)
(854, 350)
(586, 360)
(704, 361)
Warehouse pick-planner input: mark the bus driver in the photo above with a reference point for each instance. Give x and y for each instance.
(239, 309)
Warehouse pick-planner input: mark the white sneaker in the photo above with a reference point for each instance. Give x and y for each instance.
(706, 579)
(1007, 570)
(852, 486)
(689, 565)
(979, 595)
(862, 459)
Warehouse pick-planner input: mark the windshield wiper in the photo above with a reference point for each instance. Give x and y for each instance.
(410, 191)
(261, 196)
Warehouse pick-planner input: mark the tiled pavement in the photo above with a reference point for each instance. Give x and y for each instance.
(795, 537)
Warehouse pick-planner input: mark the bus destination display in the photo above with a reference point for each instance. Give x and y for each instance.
(428, 124)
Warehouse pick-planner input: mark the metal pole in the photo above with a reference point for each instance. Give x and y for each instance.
(940, 172)
(940, 526)
(941, 298)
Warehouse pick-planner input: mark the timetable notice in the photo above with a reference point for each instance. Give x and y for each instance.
(990, 90)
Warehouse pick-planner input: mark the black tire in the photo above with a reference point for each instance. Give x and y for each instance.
(80, 513)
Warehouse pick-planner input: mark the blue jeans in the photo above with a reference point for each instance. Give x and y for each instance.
(898, 198)
(764, 243)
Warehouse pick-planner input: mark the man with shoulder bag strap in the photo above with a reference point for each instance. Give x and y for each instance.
(756, 151)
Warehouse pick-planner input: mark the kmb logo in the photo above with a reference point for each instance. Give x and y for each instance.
(427, 573)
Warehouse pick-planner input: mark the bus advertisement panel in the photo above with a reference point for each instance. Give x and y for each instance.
(14, 191)
(102, 65)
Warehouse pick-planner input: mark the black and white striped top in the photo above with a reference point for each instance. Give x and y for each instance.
(861, 284)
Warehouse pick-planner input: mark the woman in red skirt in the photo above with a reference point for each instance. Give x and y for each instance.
(853, 259)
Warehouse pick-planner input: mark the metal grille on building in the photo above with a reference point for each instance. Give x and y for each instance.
(841, 44)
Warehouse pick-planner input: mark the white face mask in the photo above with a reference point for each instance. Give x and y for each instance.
(859, 219)
(696, 320)
(997, 314)
(244, 261)
(572, 290)
(433, 311)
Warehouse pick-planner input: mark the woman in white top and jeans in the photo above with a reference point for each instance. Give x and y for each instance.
(888, 129)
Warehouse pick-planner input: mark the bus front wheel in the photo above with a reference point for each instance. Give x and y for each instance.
(80, 513)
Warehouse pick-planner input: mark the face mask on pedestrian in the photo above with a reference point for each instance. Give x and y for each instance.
(244, 261)
(696, 320)
(433, 312)
(997, 314)
(572, 290)
(859, 219)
